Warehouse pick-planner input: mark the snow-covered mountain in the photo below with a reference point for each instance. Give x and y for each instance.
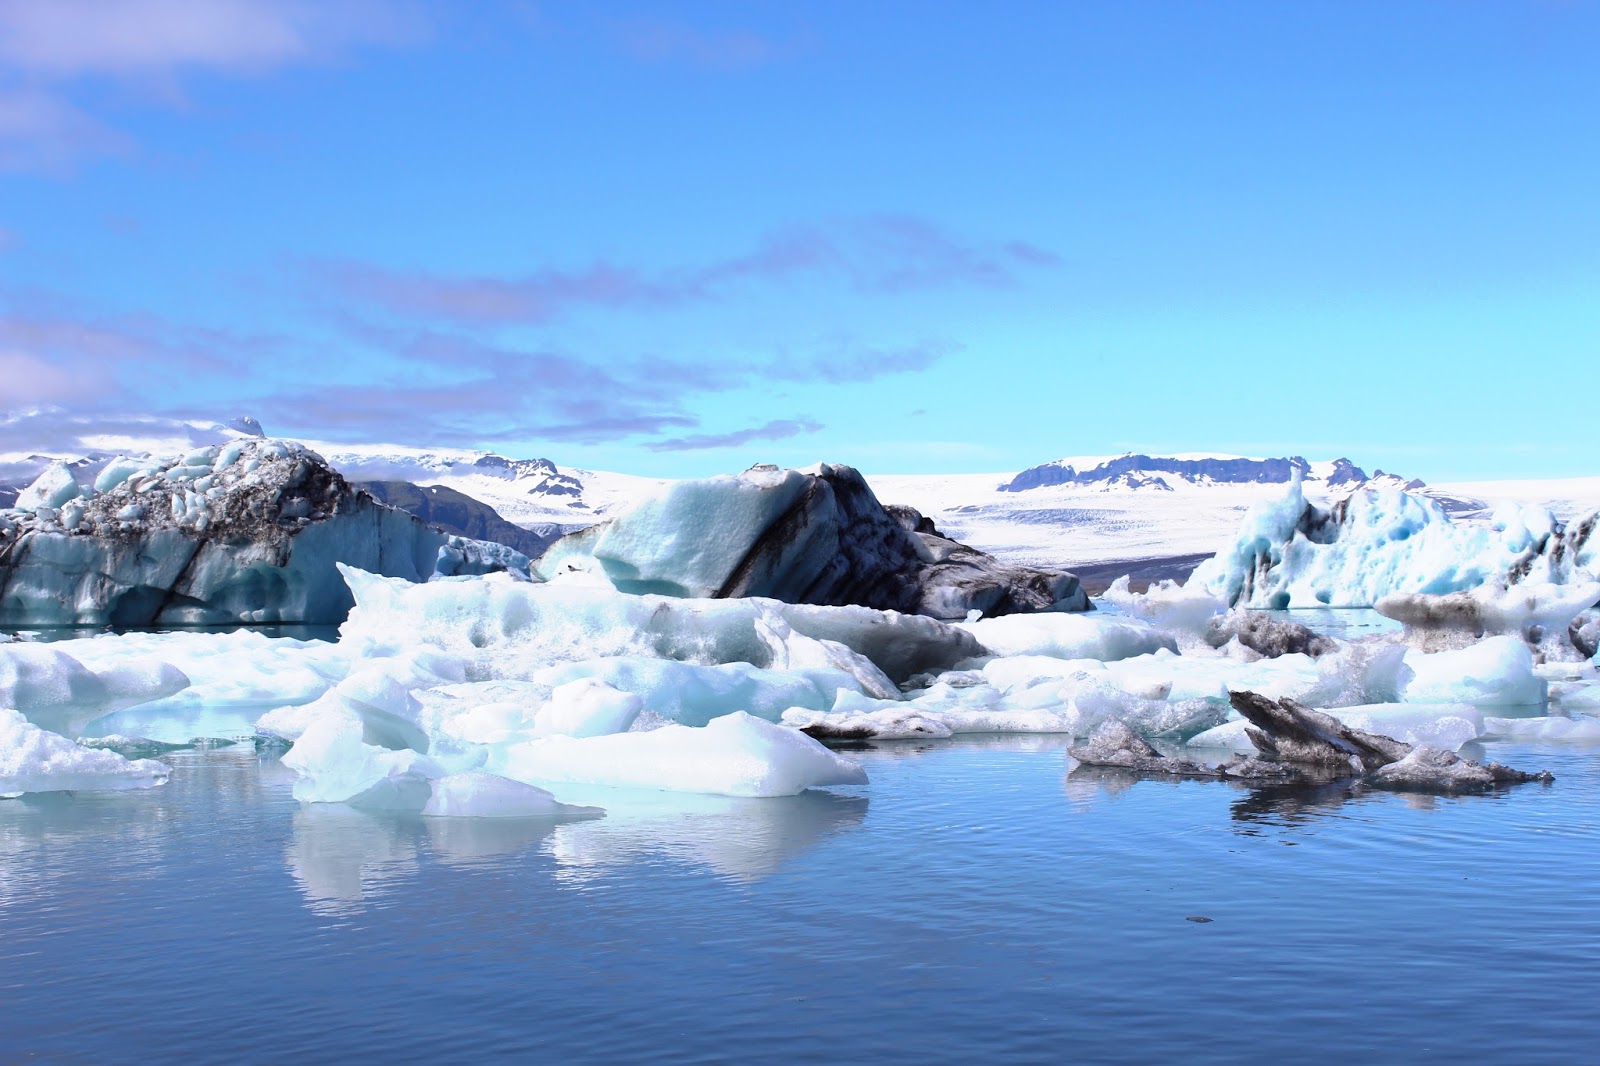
(1137, 471)
(533, 493)
(1083, 511)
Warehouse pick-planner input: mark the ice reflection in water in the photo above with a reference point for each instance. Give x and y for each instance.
(344, 860)
(737, 839)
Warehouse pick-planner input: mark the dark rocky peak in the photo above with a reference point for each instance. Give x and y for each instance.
(1208, 469)
(246, 425)
(1346, 473)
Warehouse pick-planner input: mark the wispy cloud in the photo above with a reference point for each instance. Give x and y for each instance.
(41, 131)
(737, 49)
(887, 253)
(406, 384)
(851, 364)
(49, 358)
(778, 429)
(49, 48)
(63, 39)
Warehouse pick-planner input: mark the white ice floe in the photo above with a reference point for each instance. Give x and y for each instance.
(735, 755)
(480, 795)
(1494, 672)
(493, 622)
(1068, 636)
(37, 760)
(56, 691)
(1553, 727)
(1184, 609)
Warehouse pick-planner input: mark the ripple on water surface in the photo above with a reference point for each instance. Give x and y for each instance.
(976, 902)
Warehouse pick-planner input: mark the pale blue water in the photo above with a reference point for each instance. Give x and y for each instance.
(973, 904)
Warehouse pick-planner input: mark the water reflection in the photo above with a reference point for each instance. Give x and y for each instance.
(738, 839)
(1260, 806)
(1281, 806)
(343, 858)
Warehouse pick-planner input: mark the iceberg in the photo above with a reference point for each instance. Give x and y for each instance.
(813, 537)
(1385, 542)
(247, 532)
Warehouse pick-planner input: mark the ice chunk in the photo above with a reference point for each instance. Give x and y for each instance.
(51, 489)
(1228, 735)
(688, 539)
(691, 694)
(1538, 612)
(1494, 672)
(57, 692)
(234, 678)
(481, 795)
(1068, 636)
(1580, 727)
(734, 755)
(37, 760)
(818, 536)
(198, 546)
(493, 621)
(1426, 769)
(901, 723)
(587, 708)
(1445, 725)
(335, 766)
(119, 470)
(1185, 609)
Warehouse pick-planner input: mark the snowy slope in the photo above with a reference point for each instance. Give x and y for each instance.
(1105, 508)
(527, 492)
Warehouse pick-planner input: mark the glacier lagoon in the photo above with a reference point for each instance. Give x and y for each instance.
(977, 902)
(369, 889)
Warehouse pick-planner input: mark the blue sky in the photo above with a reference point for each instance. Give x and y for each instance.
(681, 238)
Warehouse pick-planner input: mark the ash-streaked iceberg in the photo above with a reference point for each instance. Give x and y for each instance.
(246, 532)
(818, 537)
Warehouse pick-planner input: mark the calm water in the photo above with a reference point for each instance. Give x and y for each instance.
(974, 903)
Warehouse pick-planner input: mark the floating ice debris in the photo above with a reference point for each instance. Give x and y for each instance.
(55, 691)
(1267, 636)
(1286, 732)
(37, 760)
(1498, 672)
(1426, 769)
(1069, 636)
(1114, 744)
(735, 755)
(1542, 614)
(480, 795)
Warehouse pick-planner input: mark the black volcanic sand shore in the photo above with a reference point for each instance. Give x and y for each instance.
(1097, 577)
